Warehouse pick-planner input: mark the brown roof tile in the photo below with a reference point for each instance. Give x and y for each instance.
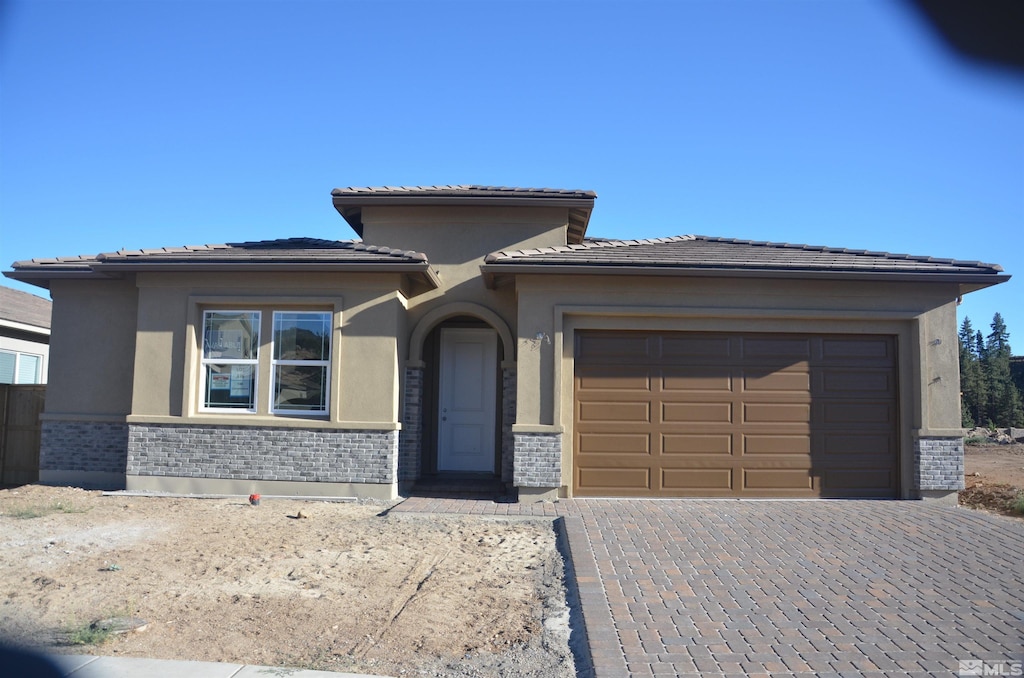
(463, 190)
(691, 252)
(285, 254)
(287, 250)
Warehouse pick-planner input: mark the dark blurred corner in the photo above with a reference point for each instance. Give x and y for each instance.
(15, 663)
(989, 31)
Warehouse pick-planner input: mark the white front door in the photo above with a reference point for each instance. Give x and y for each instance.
(466, 408)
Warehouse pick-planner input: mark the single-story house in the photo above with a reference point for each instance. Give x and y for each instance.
(477, 330)
(24, 337)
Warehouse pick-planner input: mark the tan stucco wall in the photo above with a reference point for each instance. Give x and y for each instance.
(92, 344)
(369, 321)
(456, 240)
(922, 317)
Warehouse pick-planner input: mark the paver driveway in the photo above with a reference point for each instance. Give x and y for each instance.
(782, 588)
(824, 588)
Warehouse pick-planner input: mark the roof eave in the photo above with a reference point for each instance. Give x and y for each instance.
(41, 277)
(420, 273)
(974, 281)
(350, 207)
(24, 327)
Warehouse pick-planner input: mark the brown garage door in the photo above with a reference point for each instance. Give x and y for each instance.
(688, 414)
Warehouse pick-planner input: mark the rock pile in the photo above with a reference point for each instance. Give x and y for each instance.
(999, 436)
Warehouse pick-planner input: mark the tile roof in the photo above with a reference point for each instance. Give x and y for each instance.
(463, 190)
(287, 250)
(350, 201)
(22, 307)
(309, 254)
(696, 252)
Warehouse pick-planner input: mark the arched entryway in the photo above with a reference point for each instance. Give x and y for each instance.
(459, 398)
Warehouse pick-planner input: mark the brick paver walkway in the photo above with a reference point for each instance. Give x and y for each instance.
(787, 588)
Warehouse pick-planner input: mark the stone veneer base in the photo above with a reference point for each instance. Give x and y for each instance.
(939, 464)
(256, 453)
(538, 460)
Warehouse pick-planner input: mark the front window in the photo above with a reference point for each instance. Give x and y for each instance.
(231, 342)
(301, 362)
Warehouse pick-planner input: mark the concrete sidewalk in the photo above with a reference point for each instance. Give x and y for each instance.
(86, 666)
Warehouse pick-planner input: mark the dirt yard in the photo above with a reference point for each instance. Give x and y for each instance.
(340, 588)
(994, 477)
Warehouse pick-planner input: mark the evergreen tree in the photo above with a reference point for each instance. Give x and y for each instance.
(982, 416)
(970, 376)
(1004, 400)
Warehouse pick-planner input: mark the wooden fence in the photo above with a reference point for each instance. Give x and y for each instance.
(20, 407)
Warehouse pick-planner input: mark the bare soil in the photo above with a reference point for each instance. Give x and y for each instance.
(344, 587)
(994, 477)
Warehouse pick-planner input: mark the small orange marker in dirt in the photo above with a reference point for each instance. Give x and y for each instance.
(254, 499)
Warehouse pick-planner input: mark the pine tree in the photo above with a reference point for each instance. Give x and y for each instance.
(970, 377)
(1004, 400)
(982, 415)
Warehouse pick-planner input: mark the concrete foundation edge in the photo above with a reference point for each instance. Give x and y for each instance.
(87, 480)
(941, 497)
(268, 487)
(530, 495)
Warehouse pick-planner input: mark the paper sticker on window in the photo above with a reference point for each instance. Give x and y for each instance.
(241, 380)
(224, 344)
(220, 382)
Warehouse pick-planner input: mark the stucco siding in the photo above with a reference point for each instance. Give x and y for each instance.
(92, 347)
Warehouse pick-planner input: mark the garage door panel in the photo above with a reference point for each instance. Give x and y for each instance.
(856, 443)
(755, 348)
(755, 443)
(714, 380)
(616, 479)
(841, 481)
(609, 378)
(692, 443)
(777, 416)
(785, 382)
(697, 412)
(861, 349)
(777, 479)
(869, 381)
(675, 348)
(769, 413)
(603, 347)
(697, 480)
(615, 412)
(881, 414)
(617, 443)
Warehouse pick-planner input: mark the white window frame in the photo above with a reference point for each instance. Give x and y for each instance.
(326, 364)
(253, 362)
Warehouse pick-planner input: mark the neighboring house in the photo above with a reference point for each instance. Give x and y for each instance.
(24, 337)
(476, 330)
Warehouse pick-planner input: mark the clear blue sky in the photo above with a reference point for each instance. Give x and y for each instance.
(845, 123)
